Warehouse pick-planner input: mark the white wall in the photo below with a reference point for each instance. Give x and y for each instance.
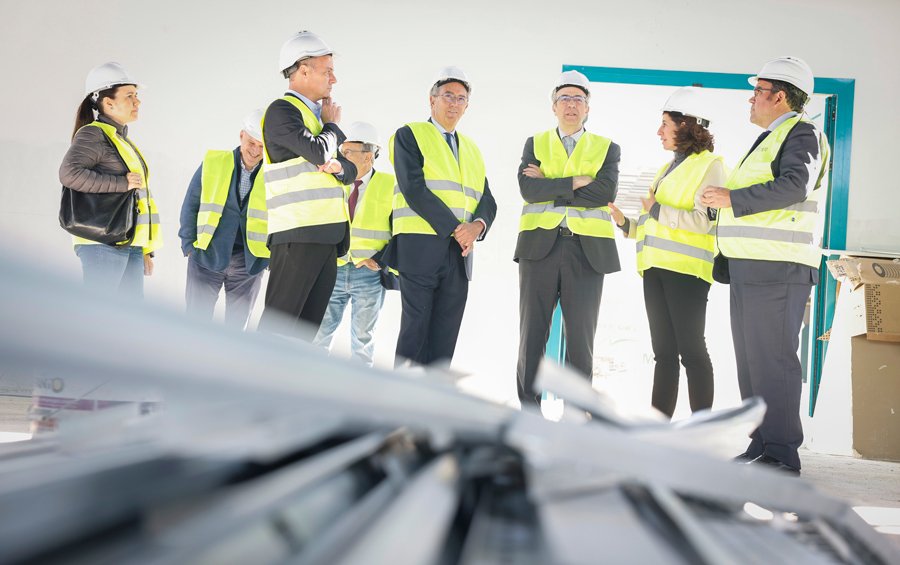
(208, 63)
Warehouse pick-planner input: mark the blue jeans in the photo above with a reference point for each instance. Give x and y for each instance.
(109, 270)
(362, 289)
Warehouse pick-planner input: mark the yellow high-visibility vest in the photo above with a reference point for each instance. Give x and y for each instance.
(370, 229)
(674, 249)
(458, 185)
(146, 231)
(297, 194)
(587, 158)
(792, 234)
(218, 168)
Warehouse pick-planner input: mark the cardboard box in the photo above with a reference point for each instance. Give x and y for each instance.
(876, 398)
(880, 279)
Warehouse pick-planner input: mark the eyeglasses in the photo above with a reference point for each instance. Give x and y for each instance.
(576, 99)
(458, 100)
(757, 91)
(349, 151)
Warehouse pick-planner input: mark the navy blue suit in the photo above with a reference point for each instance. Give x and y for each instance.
(434, 277)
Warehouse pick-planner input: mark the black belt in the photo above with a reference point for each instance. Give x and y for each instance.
(566, 232)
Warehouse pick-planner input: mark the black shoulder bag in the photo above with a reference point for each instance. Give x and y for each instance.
(108, 218)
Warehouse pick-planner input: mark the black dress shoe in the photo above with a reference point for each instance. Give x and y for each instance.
(775, 464)
(742, 458)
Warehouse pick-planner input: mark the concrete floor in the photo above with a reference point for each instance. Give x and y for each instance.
(871, 487)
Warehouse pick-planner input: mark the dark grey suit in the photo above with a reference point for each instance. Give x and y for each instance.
(567, 269)
(768, 300)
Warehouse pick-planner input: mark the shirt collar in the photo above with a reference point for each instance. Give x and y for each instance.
(366, 178)
(314, 106)
(780, 120)
(576, 136)
(440, 128)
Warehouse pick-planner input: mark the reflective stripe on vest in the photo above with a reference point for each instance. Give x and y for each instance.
(297, 194)
(587, 158)
(218, 170)
(673, 249)
(458, 185)
(370, 229)
(146, 231)
(792, 234)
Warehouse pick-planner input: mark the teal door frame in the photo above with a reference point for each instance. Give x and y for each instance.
(840, 136)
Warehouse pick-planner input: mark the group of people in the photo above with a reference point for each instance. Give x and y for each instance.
(300, 196)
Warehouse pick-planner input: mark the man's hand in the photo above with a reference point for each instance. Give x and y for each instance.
(134, 180)
(148, 265)
(369, 264)
(332, 166)
(581, 180)
(466, 234)
(649, 201)
(617, 214)
(331, 112)
(533, 171)
(716, 197)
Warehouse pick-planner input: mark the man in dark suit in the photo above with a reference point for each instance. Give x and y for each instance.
(566, 238)
(223, 229)
(305, 195)
(769, 234)
(444, 205)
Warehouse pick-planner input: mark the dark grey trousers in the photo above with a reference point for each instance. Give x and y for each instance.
(241, 290)
(765, 325)
(563, 276)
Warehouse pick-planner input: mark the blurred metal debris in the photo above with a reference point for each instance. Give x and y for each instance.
(267, 451)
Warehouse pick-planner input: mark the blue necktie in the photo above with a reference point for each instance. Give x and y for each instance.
(449, 137)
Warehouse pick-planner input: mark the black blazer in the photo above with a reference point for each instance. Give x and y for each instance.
(286, 137)
(536, 244)
(422, 254)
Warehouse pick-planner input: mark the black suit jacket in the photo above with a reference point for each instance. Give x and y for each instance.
(536, 244)
(422, 254)
(286, 137)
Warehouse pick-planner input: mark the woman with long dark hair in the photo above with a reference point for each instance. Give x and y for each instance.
(675, 248)
(103, 159)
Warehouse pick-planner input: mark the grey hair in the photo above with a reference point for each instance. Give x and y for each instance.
(439, 84)
(370, 147)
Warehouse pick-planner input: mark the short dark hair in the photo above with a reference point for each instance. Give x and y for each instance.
(796, 98)
(691, 137)
(587, 95)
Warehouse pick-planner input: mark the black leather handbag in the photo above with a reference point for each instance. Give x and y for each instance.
(106, 218)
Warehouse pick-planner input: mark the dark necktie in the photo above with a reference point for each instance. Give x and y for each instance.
(354, 196)
(449, 137)
(756, 143)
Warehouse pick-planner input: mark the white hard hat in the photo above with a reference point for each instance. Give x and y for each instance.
(106, 76)
(688, 101)
(791, 70)
(362, 132)
(451, 73)
(571, 78)
(302, 45)
(252, 124)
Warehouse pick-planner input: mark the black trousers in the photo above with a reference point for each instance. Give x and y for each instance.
(566, 277)
(676, 310)
(301, 280)
(765, 326)
(433, 307)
